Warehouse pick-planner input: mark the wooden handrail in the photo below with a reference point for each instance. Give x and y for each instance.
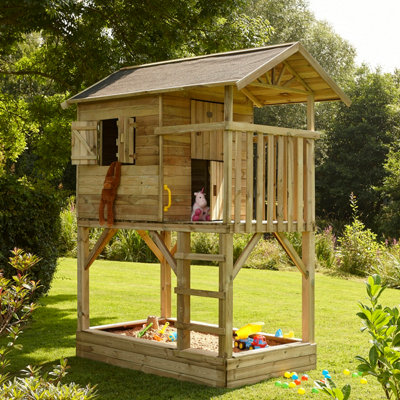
(236, 126)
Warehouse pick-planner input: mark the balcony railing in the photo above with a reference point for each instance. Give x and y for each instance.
(275, 168)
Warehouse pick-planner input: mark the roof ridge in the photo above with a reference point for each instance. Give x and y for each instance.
(221, 54)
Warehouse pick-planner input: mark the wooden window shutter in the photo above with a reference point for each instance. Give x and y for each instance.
(84, 143)
(126, 140)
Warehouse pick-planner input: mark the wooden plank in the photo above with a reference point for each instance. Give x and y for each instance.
(281, 89)
(160, 161)
(102, 242)
(225, 309)
(199, 327)
(245, 253)
(183, 300)
(165, 279)
(299, 182)
(271, 182)
(308, 287)
(291, 252)
(164, 249)
(238, 180)
(260, 197)
(251, 96)
(200, 257)
(290, 184)
(187, 128)
(249, 182)
(83, 279)
(200, 293)
(228, 116)
(152, 246)
(280, 183)
(271, 130)
(310, 223)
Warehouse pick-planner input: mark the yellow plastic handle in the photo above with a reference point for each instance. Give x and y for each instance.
(169, 198)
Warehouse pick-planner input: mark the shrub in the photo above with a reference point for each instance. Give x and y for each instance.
(16, 308)
(325, 248)
(358, 248)
(68, 235)
(127, 245)
(29, 219)
(383, 325)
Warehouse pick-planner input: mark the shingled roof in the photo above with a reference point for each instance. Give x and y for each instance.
(299, 76)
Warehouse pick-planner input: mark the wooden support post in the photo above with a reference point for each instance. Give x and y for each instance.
(183, 300)
(83, 279)
(228, 116)
(165, 280)
(308, 239)
(308, 287)
(160, 162)
(226, 304)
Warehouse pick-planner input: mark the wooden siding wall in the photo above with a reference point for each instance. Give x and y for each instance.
(137, 198)
(138, 194)
(177, 150)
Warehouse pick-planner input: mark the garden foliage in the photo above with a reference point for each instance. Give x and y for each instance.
(29, 219)
(383, 325)
(16, 296)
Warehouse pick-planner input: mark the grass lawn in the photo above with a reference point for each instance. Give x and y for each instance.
(128, 291)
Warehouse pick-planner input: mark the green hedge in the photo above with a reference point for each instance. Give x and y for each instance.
(29, 219)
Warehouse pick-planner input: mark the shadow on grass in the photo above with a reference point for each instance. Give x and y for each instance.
(53, 327)
(113, 383)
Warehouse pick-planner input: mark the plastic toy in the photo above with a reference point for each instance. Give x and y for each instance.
(158, 338)
(304, 377)
(246, 330)
(164, 328)
(297, 382)
(301, 391)
(363, 381)
(288, 335)
(325, 372)
(285, 385)
(172, 336)
(314, 390)
(294, 376)
(143, 331)
(292, 385)
(278, 383)
(252, 342)
(354, 375)
(279, 333)
(200, 210)
(287, 374)
(346, 372)
(359, 373)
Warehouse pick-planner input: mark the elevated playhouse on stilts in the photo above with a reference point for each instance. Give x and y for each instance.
(178, 126)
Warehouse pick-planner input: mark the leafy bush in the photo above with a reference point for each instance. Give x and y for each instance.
(16, 293)
(358, 247)
(16, 308)
(325, 250)
(29, 219)
(383, 324)
(329, 388)
(68, 236)
(127, 245)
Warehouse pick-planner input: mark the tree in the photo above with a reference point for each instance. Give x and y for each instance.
(357, 143)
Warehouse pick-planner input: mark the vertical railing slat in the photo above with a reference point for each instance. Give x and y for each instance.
(238, 179)
(260, 181)
(299, 179)
(310, 189)
(270, 189)
(290, 178)
(280, 182)
(249, 181)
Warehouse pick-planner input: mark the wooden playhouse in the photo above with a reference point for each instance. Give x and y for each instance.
(178, 126)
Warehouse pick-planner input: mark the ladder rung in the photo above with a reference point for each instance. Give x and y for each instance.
(200, 257)
(201, 293)
(200, 328)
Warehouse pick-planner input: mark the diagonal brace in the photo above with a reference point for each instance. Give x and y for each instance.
(102, 241)
(292, 253)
